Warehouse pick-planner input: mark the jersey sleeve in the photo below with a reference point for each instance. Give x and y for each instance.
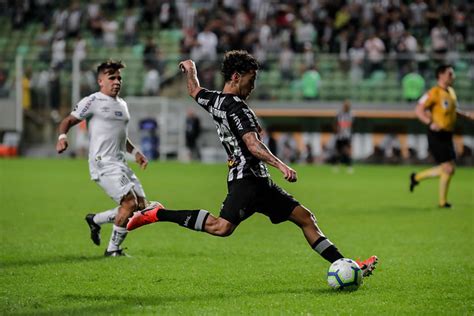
(242, 120)
(84, 108)
(203, 98)
(427, 100)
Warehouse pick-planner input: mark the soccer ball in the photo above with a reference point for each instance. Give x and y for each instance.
(345, 274)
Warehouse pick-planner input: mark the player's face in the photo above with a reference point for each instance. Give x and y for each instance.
(247, 84)
(448, 76)
(110, 82)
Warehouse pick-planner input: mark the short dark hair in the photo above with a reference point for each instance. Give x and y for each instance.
(239, 61)
(441, 69)
(110, 65)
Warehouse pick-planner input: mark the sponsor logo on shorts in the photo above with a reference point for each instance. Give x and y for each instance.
(118, 113)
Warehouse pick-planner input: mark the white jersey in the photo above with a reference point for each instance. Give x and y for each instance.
(107, 125)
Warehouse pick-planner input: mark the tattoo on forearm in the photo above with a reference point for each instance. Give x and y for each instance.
(193, 81)
(263, 153)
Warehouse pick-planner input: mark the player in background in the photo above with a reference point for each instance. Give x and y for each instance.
(107, 115)
(250, 188)
(438, 109)
(344, 121)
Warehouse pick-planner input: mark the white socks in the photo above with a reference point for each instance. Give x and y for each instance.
(106, 216)
(118, 236)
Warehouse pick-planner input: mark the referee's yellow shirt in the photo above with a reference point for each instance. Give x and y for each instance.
(442, 104)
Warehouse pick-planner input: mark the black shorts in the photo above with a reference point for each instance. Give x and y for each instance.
(342, 143)
(441, 146)
(249, 195)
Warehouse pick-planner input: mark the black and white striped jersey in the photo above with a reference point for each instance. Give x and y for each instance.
(233, 118)
(344, 123)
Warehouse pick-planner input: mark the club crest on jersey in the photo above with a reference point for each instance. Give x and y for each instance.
(118, 113)
(445, 104)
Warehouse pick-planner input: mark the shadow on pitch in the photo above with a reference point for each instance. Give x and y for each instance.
(146, 303)
(49, 260)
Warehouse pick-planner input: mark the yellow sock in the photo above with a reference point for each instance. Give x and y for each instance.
(444, 180)
(428, 173)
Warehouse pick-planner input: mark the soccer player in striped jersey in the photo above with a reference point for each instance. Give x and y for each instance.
(344, 120)
(438, 109)
(250, 188)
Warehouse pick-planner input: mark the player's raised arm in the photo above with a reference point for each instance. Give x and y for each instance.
(261, 151)
(189, 68)
(64, 127)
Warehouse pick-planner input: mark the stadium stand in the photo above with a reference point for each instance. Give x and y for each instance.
(412, 33)
(361, 49)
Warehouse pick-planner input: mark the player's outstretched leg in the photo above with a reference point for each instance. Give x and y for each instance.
(94, 228)
(144, 217)
(302, 217)
(192, 219)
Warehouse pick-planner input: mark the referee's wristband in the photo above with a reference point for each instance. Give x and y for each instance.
(134, 151)
(62, 136)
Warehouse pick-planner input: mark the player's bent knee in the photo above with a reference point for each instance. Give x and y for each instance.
(449, 169)
(302, 216)
(130, 202)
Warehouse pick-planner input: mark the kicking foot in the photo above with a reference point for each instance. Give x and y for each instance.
(144, 217)
(115, 253)
(368, 266)
(95, 229)
(445, 205)
(413, 182)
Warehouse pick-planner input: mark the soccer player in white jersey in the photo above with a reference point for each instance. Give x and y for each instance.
(107, 116)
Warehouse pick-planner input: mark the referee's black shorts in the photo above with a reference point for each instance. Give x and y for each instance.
(249, 195)
(441, 146)
(342, 143)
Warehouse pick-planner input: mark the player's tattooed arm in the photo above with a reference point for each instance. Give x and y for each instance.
(261, 151)
(189, 68)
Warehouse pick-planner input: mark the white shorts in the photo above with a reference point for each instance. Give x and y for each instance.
(119, 182)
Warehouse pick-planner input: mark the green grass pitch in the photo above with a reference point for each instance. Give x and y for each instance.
(48, 265)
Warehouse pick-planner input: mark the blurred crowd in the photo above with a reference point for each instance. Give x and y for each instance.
(363, 34)
(345, 27)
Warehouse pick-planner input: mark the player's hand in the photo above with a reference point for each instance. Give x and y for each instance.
(61, 145)
(186, 65)
(141, 160)
(434, 127)
(288, 173)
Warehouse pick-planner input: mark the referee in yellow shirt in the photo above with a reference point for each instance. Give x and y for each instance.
(438, 109)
